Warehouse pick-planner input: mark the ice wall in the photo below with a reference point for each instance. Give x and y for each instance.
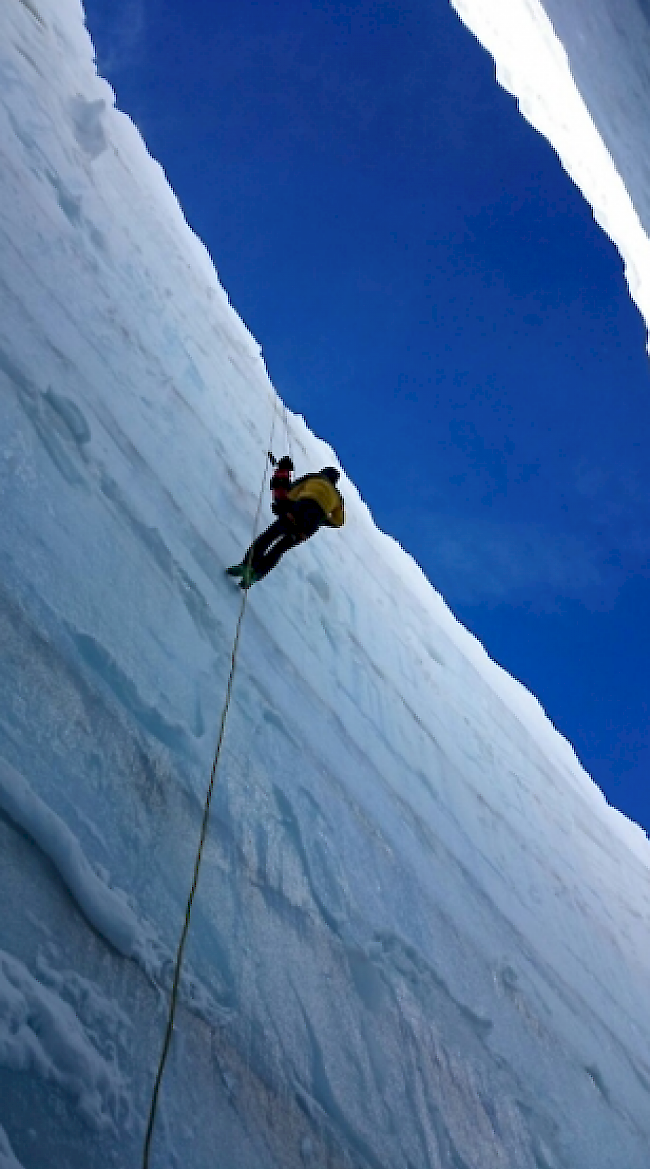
(421, 936)
(580, 72)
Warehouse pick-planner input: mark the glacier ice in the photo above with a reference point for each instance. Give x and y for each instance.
(586, 91)
(421, 936)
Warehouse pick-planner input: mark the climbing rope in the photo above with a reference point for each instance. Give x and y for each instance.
(169, 1029)
(285, 420)
(285, 416)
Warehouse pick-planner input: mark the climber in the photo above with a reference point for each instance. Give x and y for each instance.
(302, 507)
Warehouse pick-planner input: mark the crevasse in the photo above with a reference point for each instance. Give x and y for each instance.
(421, 935)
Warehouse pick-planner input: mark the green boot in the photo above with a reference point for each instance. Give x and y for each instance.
(248, 577)
(236, 569)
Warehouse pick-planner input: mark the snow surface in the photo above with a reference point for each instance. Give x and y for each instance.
(591, 105)
(421, 937)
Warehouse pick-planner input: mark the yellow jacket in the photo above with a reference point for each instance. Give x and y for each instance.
(325, 494)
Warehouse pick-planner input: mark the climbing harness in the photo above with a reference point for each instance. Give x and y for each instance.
(204, 830)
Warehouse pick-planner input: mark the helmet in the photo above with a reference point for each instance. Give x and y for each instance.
(332, 474)
(286, 463)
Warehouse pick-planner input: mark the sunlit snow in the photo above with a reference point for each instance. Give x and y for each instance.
(532, 64)
(421, 937)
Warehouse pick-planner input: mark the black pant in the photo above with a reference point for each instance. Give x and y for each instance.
(298, 522)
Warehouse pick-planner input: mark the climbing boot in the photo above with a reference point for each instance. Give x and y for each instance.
(248, 577)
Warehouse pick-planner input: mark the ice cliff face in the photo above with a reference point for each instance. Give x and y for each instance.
(421, 937)
(607, 43)
(580, 70)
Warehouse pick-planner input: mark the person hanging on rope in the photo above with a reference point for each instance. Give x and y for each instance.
(302, 507)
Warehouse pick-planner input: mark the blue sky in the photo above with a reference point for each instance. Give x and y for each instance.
(432, 293)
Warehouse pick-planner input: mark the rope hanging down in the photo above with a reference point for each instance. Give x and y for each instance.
(287, 438)
(169, 1030)
(285, 416)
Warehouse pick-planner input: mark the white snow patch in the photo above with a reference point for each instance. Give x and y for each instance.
(106, 908)
(40, 1033)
